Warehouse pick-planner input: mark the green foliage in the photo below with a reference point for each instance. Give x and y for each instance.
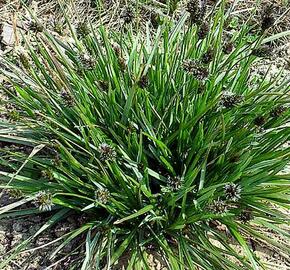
(154, 143)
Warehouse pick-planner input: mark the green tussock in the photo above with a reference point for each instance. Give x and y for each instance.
(153, 143)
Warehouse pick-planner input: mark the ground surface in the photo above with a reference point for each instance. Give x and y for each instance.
(13, 231)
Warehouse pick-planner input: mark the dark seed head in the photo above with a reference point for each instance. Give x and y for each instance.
(267, 17)
(143, 82)
(196, 69)
(246, 216)
(117, 49)
(36, 27)
(267, 22)
(44, 201)
(203, 30)
(235, 158)
(260, 121)
(57, 161)
(87, 62)
(219, 207)
(174, 183)
(58, 28)
(155, 19)
(122, 63)
(208, 56)
(278, 111)
(83, 29)
(230, 100)
(196, 10)
(107, 152)
(102, 195)
(127, 14)
(67, 98)
(24, 60)
(47, 174)
(103, 85)
(192, 6)
(228, 47)
(232, 192)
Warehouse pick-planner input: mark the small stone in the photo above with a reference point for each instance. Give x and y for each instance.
(34, 228)
(17, 227)
(8, 36)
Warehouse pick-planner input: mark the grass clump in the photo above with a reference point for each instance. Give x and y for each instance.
(151, 145)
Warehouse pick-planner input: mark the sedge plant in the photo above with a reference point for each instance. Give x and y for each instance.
(159, 143)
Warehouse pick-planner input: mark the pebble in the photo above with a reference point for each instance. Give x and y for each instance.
(17, 227)
(34, 228)
(8, 36)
